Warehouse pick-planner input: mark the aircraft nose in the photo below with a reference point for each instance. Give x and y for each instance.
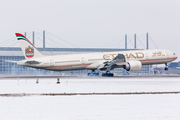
(175, 56)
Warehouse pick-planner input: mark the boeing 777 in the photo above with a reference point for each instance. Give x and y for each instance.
(104, 61)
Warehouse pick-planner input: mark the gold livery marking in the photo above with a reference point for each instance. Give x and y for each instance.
(157, 53)
(106, 57)
(29, 51)
(139, 55)
(109, 56)
(130, 55)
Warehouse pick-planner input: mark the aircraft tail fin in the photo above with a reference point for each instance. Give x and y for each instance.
(29, 50)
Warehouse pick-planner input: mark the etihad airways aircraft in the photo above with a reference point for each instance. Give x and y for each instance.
(105, 61)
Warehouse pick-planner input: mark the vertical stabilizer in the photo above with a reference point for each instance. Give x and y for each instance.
(29, 50)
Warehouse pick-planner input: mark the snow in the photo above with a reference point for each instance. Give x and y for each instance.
(91, 107)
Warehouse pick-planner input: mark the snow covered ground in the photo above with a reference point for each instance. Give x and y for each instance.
(91, 107)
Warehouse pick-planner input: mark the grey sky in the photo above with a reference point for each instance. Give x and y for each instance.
(93, 23)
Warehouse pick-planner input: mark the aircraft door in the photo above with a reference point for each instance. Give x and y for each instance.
(82, 60)
(147, 56)
(51, 62)
(167, 54)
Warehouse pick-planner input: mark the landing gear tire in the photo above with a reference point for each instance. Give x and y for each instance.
(166, 68)
(93, 74)
(107, 75)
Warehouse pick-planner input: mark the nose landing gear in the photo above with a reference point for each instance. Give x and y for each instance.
(166, 68)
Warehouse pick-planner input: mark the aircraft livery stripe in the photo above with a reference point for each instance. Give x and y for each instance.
(20, 35)
(67, 61)
(66, 66)
(21, 39)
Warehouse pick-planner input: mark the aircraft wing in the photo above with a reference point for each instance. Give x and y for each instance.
(119, 60)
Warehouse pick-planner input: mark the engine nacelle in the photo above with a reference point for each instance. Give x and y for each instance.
(133, 66)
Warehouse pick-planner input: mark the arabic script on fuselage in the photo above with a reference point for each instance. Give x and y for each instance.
(157, 53)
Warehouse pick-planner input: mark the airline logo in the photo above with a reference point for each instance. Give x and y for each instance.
(29, 51)
(128, 56)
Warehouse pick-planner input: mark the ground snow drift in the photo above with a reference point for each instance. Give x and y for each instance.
(90, 107)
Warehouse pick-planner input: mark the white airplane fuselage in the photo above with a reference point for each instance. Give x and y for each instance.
(94, 60)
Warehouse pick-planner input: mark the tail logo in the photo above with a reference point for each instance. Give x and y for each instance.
(29, 51)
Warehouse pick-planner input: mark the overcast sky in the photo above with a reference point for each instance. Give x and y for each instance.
(94, 23)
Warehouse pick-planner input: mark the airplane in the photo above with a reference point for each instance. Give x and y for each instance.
(104, 61)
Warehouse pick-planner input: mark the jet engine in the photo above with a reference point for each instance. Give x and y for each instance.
(133, 66)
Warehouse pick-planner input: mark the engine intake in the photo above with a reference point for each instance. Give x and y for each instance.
(133, 66)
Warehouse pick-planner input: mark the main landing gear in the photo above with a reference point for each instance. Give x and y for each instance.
(107, 74)
(93, 74)
(126, 73)
(166, 68)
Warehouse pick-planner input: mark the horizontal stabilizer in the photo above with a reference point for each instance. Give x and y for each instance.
(32, 62)
(10, 61)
